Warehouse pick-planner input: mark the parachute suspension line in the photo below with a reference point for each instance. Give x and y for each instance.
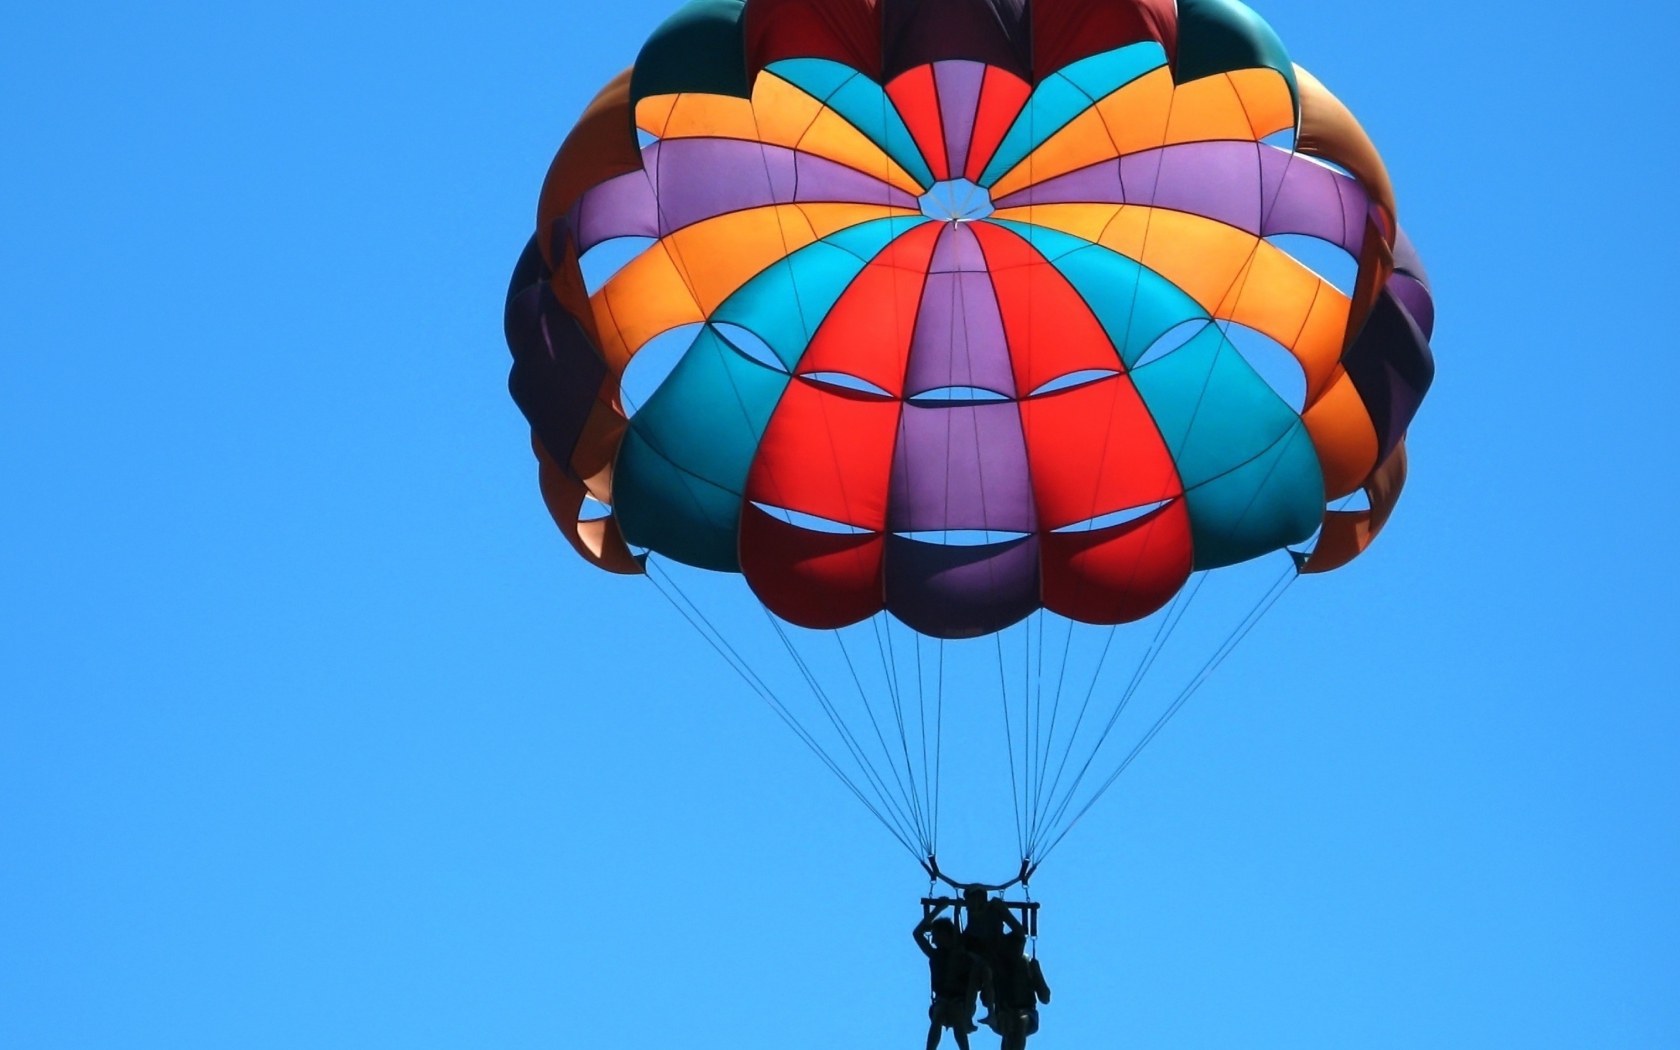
(907, 793)
(889, 802)
(1009, 743)
(1232, 640)
(704, 627)
(889, 667)
(1164, 629)
(938, 740)
(1056, 709)
(930, 787)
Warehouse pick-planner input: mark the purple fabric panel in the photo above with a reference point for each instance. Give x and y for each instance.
(1392, 368)
(1308, 198)
(1217, 180)
(622, 206)
(1096, 184)
(961, 467)
(703, 177)
(958, 84)
(1407, 260)
(1415, 297)
(961, 592)
(957, 250)
(821, 179)
(959, 338)
(916, 32)
(696, 179)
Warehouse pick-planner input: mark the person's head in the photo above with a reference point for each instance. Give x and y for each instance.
(1014, 942)
(944, 932)
(974, 897)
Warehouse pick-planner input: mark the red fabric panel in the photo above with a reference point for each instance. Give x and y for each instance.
(917, 101)
(867, 333)
(1094, 450)
(1002, 95)
(827, 452)
(1065, 31)
(847, 31)
(1117, 574)
(814, 579)
(1050, 330)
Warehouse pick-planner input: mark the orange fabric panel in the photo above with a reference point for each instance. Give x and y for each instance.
(598, 541)
(1385, 485)
(829, 453)
(1093, 450)
(654, 111)
(1127, 120)
(818, 580)
(1266, 98)
(597, 446)
(1302, 311)
(699, 116)
(684, 277)
(867, 333)
(778, 114)
(1118, 574)
(1329, 130)
(602, 145)
(1345, 533)
(1207, 109)
(1050, 330)
(645, 298)
(845, 31)
(1343, 436)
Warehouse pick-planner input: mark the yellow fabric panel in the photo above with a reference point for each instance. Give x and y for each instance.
(1265, 97)
(784, 112)
(653, 112)
(1128, 120)
(833, 137)
(1207, 109)
(646, 297)
(1290, 303)
(684, 277)
(1343, 436)
(1203, 257)
(779, 114)
(711, 116)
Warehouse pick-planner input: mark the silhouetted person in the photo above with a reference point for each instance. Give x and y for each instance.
(956, 976)
(1018, 989)
(983, 931)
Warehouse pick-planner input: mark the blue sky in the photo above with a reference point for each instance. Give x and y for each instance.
(313, 732)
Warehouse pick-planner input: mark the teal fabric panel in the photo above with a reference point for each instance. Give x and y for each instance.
(1065, 94)
(817, 77)
(784, 304)
(863, 104)
(701, 48)
(1217, 36)
(709, 414)
(1134, 304)
(1268, 503)
(1105, 73)
(1213, 411)
(666, 509)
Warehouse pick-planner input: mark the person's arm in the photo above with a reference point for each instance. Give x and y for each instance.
(921, 932)
(1010, 920)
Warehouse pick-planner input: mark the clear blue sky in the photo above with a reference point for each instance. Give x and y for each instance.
(313, 732)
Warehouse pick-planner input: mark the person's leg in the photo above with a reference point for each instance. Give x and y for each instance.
(933, 1035)
(961, 1037)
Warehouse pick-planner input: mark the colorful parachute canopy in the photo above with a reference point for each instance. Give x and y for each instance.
(982, 306)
